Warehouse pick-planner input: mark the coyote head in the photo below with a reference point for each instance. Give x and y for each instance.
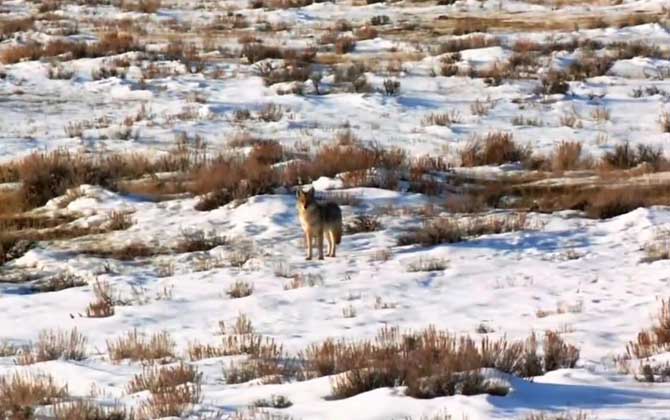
(305, 198)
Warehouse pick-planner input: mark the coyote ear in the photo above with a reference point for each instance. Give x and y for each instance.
(298, 192)
(311, 191)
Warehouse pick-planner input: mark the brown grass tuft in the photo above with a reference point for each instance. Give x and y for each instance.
(20, 393)
(103, 305)
(54, 345)
(448, 230)
(240, 289)
(655, 340)
(494, 149)
(156, 379)
(89, 410)
(137, 347)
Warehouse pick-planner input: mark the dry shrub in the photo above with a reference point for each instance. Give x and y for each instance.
(557, 353)
(199, 240)
(48, 175)
(467, 43)
(226, 178)
(580, 415)
(54, 345)
(275, 401)
(304, 280)
(553, 83)
(427, 264)
(20, 393)
(137, 347)
(468, 25)
(567, 156)
(267, 152)
(430, 363)
(61, 281)
(156, 379)
(494, 149)
(606, 204)
(127, 252)
(171, 401)
(103, 305)
(83, 409)
(624, 156)
(366, 32)
(655, 340)
(449, 230)
(118, 220)
(363, 223)
(271, 113)
(143, 6)
(659, 248)
(255, 52)
(11, 26)
(20, 52)
(590, 65)
(240, 289)
(445, 119)
(344, 44)
(664, 121)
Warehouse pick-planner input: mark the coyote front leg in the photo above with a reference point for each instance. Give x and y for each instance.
(308, 243)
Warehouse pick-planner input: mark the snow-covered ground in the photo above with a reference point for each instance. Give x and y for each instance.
(585, 277)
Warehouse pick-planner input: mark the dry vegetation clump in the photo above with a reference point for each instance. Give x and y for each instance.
(625, 156)
(664, 121)
(275, 401)
(304, 280)
(427, 264)
(554, 82)
(363, 223)
(580, 415)
(344, 44)
(118, 220)
(226, 178)
(155, 379)
(240, 289)
(83, 409)
(48, 175)
(199, 240)
(431, 363)
(143, 6)
(442, 230)
(127, 252)
(103, 305)
(10, 27)
(110, 43)
(659, 248)
(171, 401)
(138, 347)
(655, 340)
(445, 119)
(61, 281)
(467, 43)
(495, 148)
(54, 345)
(567, 156)
(20, 393)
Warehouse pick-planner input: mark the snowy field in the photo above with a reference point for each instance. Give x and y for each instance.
(428, 79)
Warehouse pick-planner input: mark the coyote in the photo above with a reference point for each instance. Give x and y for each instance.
(318, 219)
